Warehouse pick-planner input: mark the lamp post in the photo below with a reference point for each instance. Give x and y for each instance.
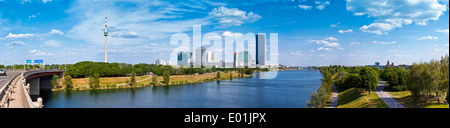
(14, 56)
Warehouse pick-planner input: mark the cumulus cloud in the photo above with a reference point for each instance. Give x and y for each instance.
(327, 44)
(391, 14)
(58, 32)
(345, 31)
(233, 16)
(377, 28)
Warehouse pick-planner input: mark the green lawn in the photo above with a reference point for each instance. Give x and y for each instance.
(357, 98)
(405, 98)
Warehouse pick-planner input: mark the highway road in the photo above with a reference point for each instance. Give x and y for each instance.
(9, 76)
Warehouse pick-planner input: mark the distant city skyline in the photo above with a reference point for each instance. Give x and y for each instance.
(311, 32)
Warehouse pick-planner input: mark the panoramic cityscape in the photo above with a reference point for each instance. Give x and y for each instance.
(224, 54)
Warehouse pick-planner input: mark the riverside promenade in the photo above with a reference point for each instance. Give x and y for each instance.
(390, 102)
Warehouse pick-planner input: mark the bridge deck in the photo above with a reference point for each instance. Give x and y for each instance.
(17, 96)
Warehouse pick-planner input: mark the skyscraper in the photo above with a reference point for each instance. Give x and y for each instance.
(183, 58)
(261, 49)
(199, 59)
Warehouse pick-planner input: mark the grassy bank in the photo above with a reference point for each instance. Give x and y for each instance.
(113, 82)
(406, 99)
(357, 98)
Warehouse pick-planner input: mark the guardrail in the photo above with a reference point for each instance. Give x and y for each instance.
(6, 93)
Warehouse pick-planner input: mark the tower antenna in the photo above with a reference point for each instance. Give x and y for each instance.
(106, 37)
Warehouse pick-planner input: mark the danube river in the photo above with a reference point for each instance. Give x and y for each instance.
(290, 89)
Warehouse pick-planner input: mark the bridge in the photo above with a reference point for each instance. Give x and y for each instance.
(21, 89)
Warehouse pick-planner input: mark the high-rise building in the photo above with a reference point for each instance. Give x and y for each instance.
(211, 57)
(183, 58)
(199, 59)
(160, 62)
(261, 49)
(244, 59)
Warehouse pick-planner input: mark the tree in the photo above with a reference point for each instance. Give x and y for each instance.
(393, 79)
(133, 79)
(231, 76)
(218, 76)
(419, 80)
(351, 81)
(447, 97)
(55, 81)
(318, 98)
(94, 82)
(166, 77)
(369, 79)
(155, 79)
(68, 82)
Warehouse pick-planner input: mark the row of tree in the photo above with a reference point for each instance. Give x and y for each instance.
(345, 78)
(427, 78)
(88, 69)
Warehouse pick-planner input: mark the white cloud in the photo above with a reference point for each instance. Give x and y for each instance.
(344, 31)
(377, 28)
(233, 35)
(327, 44)
(54, 31)
(51, 43)
(25, 1)
(355, 43)
(445, 31)
(33, 16)
(321, 5)
(233, 16)
(305, 7)
(384, 43)
(428, 38)
(323, 49)
(335, 25)
(45, 1)
(27, 36)
(391, 14)
(33, 51)
(17, 36)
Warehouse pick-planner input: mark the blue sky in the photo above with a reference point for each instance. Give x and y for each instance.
(311, 32)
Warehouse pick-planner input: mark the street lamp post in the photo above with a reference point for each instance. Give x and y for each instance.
(14, 56)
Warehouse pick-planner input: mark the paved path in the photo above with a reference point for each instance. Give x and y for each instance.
(390, 102)
(136, 81)
(334, 98)
(18, 100)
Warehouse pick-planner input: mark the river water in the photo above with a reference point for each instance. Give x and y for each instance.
(290, 89)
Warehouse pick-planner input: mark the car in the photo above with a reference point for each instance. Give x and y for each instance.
(2, 72)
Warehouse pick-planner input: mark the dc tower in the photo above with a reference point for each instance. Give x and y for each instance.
(106, 37)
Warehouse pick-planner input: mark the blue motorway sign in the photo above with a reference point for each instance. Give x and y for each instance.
(38, 61)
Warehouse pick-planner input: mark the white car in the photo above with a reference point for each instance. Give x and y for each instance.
(2, 72)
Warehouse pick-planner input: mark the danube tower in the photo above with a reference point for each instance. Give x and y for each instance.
(106, 35)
